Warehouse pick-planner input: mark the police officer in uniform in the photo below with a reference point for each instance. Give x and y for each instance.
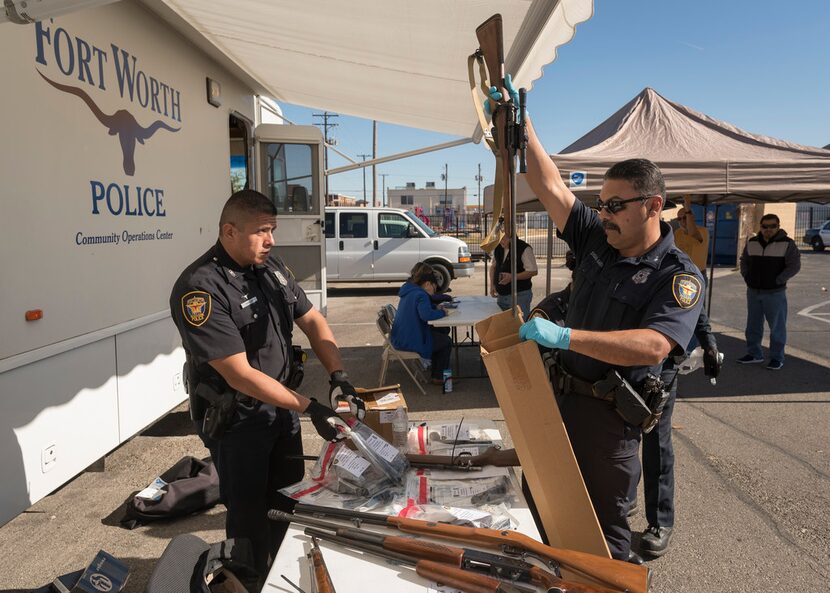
(635, 299)
(235, 308)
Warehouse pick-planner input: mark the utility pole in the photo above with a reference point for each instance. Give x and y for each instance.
(326, 125)
(383, 197)
(364, 157)
(374, 156)
(479, 179)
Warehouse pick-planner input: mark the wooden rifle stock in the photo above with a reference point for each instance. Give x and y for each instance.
(492, 456)
(616, 574)
(491, 45)
(322, 578)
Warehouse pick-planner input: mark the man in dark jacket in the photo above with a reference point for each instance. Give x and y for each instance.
(769, 259)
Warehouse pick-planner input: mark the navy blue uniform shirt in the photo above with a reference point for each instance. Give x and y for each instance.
(659, 290)
(221, 308)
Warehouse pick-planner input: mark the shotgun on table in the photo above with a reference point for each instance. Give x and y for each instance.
(491, 456)
(491, 565)
(606, 572)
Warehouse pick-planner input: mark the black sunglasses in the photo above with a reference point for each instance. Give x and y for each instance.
(615, 205)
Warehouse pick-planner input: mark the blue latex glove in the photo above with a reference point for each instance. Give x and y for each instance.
(546, 333)
(496, 95)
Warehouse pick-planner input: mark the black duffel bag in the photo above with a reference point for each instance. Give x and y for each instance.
(192, 486)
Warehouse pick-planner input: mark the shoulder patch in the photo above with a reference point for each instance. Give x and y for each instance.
(686, 289)
(196, 307)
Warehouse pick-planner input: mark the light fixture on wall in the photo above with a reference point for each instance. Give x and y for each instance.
(214, 92)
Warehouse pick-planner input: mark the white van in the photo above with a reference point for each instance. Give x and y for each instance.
(382, 244)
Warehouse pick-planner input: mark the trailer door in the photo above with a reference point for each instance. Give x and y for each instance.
(289, 160)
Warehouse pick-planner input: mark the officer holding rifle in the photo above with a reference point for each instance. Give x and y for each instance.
(235, 308)
(635, 299)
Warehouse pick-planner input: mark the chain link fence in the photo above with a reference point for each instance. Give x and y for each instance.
(531, 227)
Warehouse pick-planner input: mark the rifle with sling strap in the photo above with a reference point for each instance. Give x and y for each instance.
(508, 135)
(606, 572)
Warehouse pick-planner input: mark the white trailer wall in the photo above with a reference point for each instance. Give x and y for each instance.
(105, 360)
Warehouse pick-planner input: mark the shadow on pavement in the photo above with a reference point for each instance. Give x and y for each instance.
(175, 424)
(353, 291)
(797, 376)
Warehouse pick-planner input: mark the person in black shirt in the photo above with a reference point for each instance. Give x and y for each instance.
(635, 299)
(235, 308)
(500, 275)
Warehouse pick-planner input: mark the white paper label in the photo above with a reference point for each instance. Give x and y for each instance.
(386, 416)
(351, 462)
(389, 398)
(491, 434)
(154, 491)
(382, 448)
(450, 432)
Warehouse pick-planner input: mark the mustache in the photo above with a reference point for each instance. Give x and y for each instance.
(610, 226)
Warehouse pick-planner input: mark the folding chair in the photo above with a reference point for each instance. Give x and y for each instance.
(386, 316)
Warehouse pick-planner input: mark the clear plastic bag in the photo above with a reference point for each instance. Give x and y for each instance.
(382, 455)
(422, 489)
(343, 472)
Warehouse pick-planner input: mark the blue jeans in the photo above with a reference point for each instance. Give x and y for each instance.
(523, 299)
(772, 306)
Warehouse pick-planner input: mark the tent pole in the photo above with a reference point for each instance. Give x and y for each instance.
(712, 265)
(486, 258)
(550, 252)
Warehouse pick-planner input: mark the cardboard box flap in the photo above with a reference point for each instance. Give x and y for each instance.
(522, 386)
(499, 331)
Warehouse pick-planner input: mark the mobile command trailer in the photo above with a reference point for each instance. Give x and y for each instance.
(114, 169)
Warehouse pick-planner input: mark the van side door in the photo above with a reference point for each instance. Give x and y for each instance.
(354, 246)
(395, 250)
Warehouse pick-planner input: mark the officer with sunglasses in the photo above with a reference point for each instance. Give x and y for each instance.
(635, 300)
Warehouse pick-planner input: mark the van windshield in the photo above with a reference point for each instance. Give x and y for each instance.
(420, 224)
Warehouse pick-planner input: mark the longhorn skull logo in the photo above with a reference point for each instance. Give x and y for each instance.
(121, 123)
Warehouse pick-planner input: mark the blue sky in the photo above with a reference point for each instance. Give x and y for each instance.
(763, 66)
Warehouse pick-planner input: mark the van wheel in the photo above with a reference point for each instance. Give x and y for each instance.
(443, 275)
(817, 244)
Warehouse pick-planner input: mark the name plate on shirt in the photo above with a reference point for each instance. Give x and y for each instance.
(248, 303)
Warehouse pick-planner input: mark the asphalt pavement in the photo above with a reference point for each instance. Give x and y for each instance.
(753, 456)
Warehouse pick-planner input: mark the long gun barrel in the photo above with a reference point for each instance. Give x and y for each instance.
(596, 569)
(492, 456)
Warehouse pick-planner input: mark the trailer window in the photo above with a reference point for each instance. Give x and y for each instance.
(288, 177)
(239, 141)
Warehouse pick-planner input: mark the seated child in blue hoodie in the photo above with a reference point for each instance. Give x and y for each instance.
(412, 333)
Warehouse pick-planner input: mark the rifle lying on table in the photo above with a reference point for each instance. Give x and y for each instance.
(603, 571)
(491, 456)
(322, 578)
(412, 551)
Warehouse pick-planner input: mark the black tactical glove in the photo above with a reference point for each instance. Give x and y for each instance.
(342, 390)
(320, 415)
(711, 360)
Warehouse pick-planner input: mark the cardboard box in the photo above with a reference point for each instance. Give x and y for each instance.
(526, 398)
(381, 403)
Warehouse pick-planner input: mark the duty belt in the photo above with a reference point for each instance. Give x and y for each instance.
(565, 383)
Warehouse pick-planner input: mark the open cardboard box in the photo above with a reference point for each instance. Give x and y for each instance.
(526, 398)
(381, 403)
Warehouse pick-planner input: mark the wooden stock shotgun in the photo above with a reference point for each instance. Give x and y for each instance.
(615, 574)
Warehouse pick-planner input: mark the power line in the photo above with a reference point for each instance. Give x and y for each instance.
(326, 125)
